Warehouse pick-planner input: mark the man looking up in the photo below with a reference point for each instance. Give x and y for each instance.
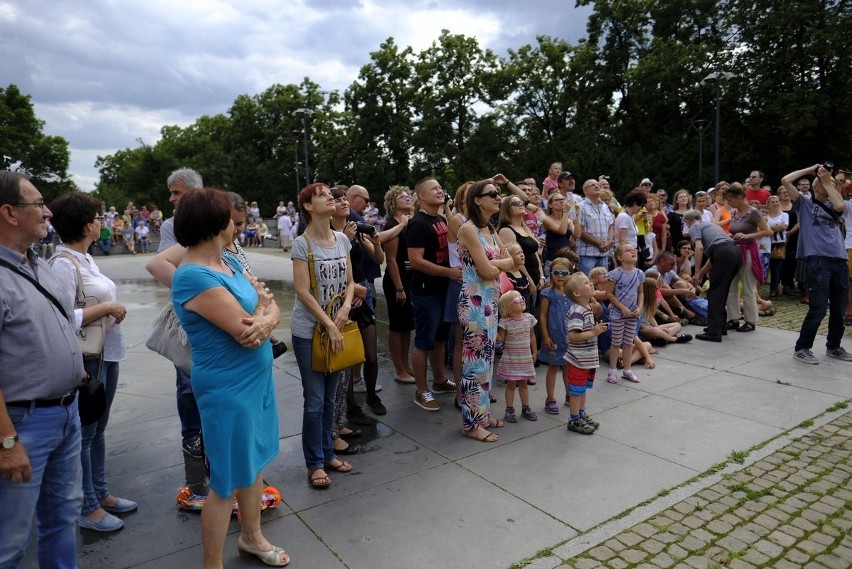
(41, 364)
(429, 257)
(821, 245)
(598, 231)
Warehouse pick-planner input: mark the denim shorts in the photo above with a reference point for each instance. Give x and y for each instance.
(428, 320)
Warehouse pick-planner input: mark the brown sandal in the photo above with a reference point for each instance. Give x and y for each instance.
(318, 482)
(481, 435)
(342, 466)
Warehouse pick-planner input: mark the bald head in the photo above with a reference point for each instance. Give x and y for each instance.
(358, 198)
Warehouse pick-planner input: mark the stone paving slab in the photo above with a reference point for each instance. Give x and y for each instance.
(791, 509)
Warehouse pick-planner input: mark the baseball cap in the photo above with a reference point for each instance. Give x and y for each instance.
(565, 175)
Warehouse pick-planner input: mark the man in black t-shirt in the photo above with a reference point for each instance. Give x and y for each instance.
(429, 257)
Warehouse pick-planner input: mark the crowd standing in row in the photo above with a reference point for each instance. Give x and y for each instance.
(501, 274)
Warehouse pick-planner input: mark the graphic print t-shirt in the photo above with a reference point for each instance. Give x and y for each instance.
(330, 270)
(428, 232)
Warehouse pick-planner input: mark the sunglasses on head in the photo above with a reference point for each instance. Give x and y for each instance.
(559, 273)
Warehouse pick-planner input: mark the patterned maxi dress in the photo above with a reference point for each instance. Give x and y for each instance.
(478, 318)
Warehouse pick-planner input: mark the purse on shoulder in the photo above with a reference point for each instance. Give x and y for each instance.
(93, 335)
(323, 359)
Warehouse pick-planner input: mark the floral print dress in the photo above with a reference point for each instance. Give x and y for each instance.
(478, 318)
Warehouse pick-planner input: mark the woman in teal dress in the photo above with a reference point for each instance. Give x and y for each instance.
(231, 372)
(480, 251)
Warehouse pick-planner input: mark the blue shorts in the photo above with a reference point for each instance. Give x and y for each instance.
(429, 326)
(451, 303)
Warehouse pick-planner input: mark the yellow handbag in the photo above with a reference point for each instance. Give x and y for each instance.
(323, 359)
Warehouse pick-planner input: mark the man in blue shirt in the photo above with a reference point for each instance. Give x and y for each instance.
(821, 247)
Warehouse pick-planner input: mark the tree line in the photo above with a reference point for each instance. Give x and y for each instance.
(625, 101)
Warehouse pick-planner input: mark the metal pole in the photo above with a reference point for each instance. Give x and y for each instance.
(307, 164)
(718, 127)
(700, 159)
(296, 165)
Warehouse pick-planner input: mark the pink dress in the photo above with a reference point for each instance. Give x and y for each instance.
(516, 363)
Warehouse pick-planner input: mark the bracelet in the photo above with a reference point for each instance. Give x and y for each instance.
(400, 290)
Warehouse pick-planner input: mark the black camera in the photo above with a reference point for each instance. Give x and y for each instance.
(829, 165)
(366, 229)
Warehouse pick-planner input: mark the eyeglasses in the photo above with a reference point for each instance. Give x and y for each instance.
(404, 197)
(519, 300)
(99, 218)
(517, 204)
(560, 200)
(628, 250)
(560, 273)
(38, 204)
(492, 194)
(365, 198)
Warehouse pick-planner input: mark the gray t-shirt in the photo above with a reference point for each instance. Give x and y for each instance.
(167, 235)
(819, 235)
(709, 233)
(330, 269)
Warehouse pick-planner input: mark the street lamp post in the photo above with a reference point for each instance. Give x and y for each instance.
(303, 114)
(701, 126)
(719, 79)
(297, 136)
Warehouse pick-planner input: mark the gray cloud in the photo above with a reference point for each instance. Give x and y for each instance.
(104, 74)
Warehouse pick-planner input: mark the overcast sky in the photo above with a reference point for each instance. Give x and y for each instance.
(104, 73)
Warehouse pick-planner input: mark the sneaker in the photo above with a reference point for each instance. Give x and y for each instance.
(612, 376)
(426, 401)
(580, 426)
(630, 376)
(376, 406)
(807, 356)
(360, 386)
(194, 448)
(528, 413)
(446, 387)
(589, 421)
(121, 506)
(108, 523)
(356, 416)
(840, 353)
(510, 416)
(683, 338)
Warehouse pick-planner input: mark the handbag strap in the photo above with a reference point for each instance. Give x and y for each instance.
(81, 296)
(36, 284)
(838, 219)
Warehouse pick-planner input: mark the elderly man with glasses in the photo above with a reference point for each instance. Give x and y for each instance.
(598, 232)
(41, 364)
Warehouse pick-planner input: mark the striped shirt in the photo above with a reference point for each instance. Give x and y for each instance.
(596, 222)
(584, 353)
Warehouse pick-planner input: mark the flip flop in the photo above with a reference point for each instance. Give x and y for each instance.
(342, 466)
(496, 424)
(480, 435)
(318, 482)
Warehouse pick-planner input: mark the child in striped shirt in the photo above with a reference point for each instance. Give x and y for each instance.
(514, 331)
(582, 355)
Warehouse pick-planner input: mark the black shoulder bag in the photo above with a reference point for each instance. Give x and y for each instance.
(838, 219)
(91, 390)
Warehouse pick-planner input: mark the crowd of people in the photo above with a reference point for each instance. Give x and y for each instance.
(495, 281)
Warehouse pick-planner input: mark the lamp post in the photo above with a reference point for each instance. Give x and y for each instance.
(701, 126)
(719, 79)
(304, 114)
(297, 136)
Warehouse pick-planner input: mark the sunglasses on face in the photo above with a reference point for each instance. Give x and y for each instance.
(560, 273)
(492, 194)
(519, 300)
(517, 204)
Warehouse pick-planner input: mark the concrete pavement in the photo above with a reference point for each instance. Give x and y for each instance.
(420, 495)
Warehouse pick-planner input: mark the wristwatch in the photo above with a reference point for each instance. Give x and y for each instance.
(9, 442)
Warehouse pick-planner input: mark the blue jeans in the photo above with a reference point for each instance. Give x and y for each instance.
(828, 286)
(187, 407)
(318, 416)
(54, 493)
(589, 263)
(93, 454)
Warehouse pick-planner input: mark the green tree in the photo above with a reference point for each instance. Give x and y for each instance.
(25, 147)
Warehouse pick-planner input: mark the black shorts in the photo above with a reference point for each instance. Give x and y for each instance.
(400, 315)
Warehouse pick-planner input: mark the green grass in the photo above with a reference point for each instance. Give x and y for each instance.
(838, 406)
(806, 424)
(738, 456)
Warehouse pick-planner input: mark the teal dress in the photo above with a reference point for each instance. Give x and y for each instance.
(232, 384)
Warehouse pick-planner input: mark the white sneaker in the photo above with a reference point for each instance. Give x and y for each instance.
(361, 387)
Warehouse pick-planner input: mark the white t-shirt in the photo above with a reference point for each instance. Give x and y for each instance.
(625, 221)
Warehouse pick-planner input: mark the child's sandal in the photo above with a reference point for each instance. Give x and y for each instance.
(510, 416)
(550, 407)
(528, 413)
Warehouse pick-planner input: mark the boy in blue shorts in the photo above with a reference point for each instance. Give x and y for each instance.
(582, 356)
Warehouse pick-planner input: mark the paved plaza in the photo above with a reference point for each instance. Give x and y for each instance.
(725, 455)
